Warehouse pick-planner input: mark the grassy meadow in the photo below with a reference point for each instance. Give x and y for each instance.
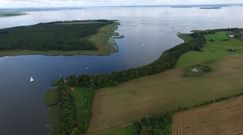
(127, 130)
(125, 103)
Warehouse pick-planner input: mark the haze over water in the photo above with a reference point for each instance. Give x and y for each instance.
(22, 110)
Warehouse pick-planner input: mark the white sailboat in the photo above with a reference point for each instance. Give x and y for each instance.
(32, 79)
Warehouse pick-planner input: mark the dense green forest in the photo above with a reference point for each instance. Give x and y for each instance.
(155, 125)
(66, 36)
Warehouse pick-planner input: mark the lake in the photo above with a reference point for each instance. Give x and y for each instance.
(148, 32)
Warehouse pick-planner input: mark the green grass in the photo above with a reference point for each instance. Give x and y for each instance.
(218, 36)
(128, 130)
(54, 114)
(103, 40)
(51, 99)
(212, 51)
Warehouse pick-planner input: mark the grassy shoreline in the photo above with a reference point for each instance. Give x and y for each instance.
(51, 100)
(103, 40)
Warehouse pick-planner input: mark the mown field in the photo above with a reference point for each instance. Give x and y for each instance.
(119, 106)
(223, 118)
(127, 130)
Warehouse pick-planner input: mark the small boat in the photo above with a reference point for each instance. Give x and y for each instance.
(32, 79)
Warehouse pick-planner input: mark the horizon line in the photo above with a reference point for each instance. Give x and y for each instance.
(145, 5)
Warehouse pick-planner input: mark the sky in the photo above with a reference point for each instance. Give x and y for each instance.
(84, 3)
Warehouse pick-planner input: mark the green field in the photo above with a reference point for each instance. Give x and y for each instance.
(211, 50)
(128, 130)
(125, 103)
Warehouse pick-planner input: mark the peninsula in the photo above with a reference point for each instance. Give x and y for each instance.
(147, 98)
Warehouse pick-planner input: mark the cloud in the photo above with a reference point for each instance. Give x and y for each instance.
(57, 3)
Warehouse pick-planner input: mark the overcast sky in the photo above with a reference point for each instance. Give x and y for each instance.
(56, 3)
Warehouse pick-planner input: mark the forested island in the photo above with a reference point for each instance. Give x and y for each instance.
(9, 14)
(60, 38)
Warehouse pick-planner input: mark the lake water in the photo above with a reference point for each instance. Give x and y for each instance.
(22, 110)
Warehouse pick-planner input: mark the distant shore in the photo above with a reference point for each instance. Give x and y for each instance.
(9, 14)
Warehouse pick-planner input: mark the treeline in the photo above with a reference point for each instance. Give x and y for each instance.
(162, 124)
(166, 61)
(68, 111)
(51, 36)
(155, 125)
(85, 109)
(74, 117)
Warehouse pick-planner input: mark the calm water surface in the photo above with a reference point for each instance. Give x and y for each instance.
(22, 111)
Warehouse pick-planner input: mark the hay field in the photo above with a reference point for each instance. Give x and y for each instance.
(223, 118)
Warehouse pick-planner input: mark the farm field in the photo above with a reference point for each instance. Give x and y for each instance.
(128, 130)
(223, 118)
(123, 104)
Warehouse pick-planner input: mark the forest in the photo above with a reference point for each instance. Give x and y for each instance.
(64, 36)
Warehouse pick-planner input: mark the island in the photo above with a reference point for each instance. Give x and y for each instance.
(9, 14)
(210, 7)
(91, 37)
(151, 99)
